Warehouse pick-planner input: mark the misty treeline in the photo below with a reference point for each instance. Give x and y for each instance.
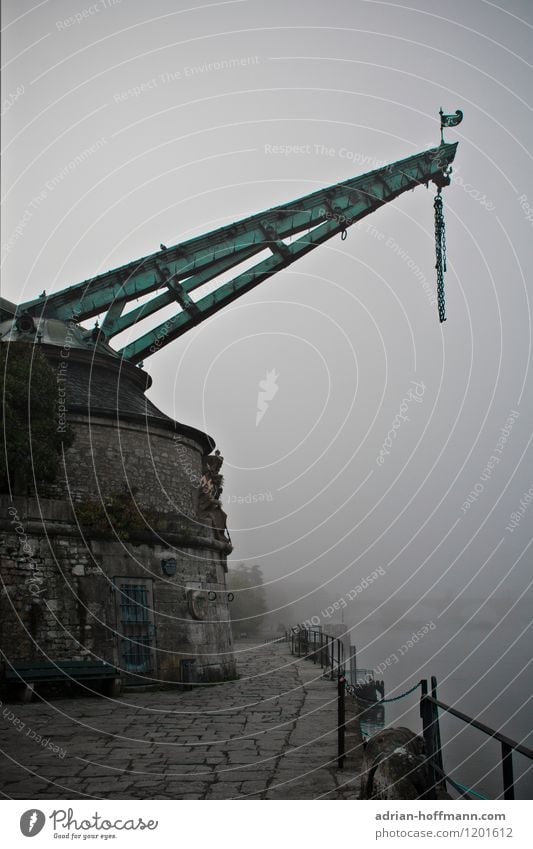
(273, 607)
(249, 607)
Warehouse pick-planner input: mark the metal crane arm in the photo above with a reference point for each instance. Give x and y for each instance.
(177, 271)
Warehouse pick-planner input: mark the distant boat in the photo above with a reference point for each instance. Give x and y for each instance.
(366, 686)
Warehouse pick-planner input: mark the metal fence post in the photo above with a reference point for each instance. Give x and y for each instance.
(426, 712)
(507, 765)
(438, 746)
(340, 721)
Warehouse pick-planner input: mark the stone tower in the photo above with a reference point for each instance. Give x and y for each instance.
(123, 559)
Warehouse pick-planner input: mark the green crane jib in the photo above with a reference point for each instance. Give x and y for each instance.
(175, 273)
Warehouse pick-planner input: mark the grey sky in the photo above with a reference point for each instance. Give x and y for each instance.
(180, 144)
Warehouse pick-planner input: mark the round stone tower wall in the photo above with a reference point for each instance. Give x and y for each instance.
(123, 558)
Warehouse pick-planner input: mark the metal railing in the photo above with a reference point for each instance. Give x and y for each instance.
(429, 711)
(318, 647)
(328, 651)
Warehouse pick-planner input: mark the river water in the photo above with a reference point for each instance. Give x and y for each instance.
(485, 675)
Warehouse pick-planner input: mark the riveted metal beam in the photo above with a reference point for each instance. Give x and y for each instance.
(177, 271)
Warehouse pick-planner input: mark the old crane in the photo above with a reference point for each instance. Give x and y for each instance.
(154, 604)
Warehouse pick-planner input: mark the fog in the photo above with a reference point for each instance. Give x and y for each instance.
(182, 140)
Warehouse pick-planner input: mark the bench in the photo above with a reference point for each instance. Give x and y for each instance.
(26, 675)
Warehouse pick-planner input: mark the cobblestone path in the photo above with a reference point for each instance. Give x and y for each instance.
(269, 735)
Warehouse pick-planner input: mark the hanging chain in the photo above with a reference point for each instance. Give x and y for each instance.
(440, 251)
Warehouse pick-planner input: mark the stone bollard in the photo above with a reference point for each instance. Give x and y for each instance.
(394, 766)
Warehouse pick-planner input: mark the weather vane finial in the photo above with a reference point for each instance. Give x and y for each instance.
(449, 121)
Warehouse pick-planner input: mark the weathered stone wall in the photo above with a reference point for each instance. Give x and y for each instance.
(127, 497)
(162, 468)
(59, 596)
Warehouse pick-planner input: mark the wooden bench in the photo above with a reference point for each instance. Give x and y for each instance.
(26, 675)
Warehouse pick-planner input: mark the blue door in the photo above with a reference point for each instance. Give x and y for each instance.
(136, 631)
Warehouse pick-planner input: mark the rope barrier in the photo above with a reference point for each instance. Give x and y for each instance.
(352, 691)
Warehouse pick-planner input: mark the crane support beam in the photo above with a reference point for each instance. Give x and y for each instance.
(176, 272)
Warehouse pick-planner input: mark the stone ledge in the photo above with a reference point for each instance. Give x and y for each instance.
(56, 517)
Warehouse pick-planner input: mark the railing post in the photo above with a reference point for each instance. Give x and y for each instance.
(331, 675)
(340, 721)
(426, 713)
(507, 766)
(314, 647)
(438, 746)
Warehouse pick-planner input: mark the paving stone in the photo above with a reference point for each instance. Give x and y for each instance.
(275, 726)
(254, 786)
(234, 776)
(226, 791)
